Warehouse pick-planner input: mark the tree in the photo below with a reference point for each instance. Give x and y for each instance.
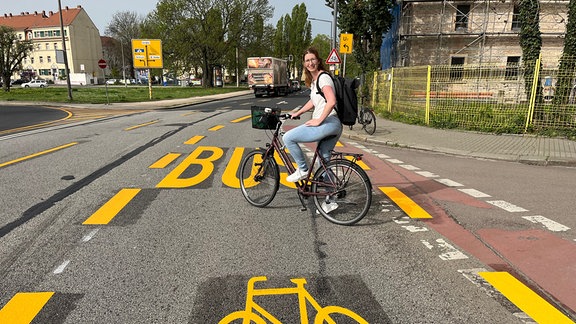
(530, 42)
(124, 26)
(367, 20)
(299, 35)
(12, 52)
(568, 59)
(203, 33)
(323, 44)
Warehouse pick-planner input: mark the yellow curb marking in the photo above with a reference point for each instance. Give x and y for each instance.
(141, 125)
(37, 154)
(165, 161)
(406, 204)
(23, 307)
(526, 299)
(111, 208)
(194, 140)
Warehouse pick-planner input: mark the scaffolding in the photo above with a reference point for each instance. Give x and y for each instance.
(476, 32)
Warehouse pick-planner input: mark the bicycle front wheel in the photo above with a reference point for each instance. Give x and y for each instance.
(242, 317)
(259, 178)
(342, 192)
(369, 121)
(337, 314)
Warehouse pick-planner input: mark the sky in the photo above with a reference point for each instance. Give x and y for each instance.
(101, 11)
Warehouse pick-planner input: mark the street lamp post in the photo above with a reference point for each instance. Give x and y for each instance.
(65, 53)
(333, 32)
(123, 65)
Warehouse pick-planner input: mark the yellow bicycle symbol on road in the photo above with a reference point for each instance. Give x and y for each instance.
(254, 313)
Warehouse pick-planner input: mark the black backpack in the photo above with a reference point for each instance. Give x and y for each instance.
(346, 99)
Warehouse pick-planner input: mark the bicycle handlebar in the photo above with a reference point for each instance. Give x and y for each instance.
(269, 111)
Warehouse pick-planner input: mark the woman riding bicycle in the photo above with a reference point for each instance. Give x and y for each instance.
(324, 120)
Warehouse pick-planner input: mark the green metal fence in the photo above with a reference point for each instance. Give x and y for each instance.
(486, 97)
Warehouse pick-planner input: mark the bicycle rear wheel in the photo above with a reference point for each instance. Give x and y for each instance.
(342, 192)
(259, 179)
(369, 121)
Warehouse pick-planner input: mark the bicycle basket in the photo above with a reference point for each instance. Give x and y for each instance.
(262, 120)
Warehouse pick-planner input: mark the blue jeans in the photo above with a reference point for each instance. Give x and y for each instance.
(309, 134)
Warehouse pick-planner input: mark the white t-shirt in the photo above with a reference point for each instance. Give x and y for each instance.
(317, 99)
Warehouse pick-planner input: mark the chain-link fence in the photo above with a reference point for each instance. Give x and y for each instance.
(481, 97)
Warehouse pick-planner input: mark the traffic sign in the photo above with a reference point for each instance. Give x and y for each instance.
(346, 43)
(102, 64)
(147, 53)
(333, 58)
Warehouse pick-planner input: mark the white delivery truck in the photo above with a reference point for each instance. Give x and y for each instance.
(268, 76)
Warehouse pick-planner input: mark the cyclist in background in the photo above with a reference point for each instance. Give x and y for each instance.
(324, 120)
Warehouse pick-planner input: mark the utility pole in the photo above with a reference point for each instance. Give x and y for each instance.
(65, 52)
(334, 24)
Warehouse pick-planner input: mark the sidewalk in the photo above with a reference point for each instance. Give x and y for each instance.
(527, 149)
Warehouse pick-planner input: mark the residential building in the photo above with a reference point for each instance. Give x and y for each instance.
(462, 32)
(83, 44)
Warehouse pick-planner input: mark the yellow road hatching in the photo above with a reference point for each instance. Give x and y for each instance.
(526, 299)
(412, 209)
(109, 210)
(23, 307)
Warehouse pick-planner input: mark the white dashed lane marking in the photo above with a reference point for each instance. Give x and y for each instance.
(474, 193)
(449, 183)
(507, 206)
(449, 252)
(548, 223)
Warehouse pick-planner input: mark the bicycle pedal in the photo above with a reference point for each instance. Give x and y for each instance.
(303, 209)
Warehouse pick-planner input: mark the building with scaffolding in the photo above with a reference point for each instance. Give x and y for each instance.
(462, 32)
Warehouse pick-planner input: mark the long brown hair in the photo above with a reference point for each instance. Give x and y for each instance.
(320, 64)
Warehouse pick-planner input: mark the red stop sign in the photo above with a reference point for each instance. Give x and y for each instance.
(102, 64)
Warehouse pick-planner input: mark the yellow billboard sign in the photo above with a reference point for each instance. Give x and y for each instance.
(147, 53)
(346, 43)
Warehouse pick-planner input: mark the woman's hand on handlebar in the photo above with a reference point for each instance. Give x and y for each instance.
(289, 116)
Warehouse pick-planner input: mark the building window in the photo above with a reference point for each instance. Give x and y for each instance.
(457, 67)
(516, 18)
(31, 60)
(512, 64)
(55, 46)
(49, 59)
(462, 12)
(41, 59)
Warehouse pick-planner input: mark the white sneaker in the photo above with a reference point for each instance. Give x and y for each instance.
(297, 176)
(328, 207)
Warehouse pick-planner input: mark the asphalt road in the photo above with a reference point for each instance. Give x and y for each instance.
(184, 247)
(15, 116)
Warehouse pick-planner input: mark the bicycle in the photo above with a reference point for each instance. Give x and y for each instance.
(367, 119)
(256, 313)
(341, 190)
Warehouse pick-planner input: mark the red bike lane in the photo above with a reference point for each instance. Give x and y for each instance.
(539, 259)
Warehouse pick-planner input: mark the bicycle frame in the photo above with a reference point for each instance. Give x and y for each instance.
(304, 185)
(299, 290)
(327, 181)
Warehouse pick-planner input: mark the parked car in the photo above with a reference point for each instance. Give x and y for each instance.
(16, 82)
(111, 81)
(296, 85)
(35, 84)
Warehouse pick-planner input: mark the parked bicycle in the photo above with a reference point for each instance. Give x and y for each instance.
(340, 188)
(255, 313)
(367, 119)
